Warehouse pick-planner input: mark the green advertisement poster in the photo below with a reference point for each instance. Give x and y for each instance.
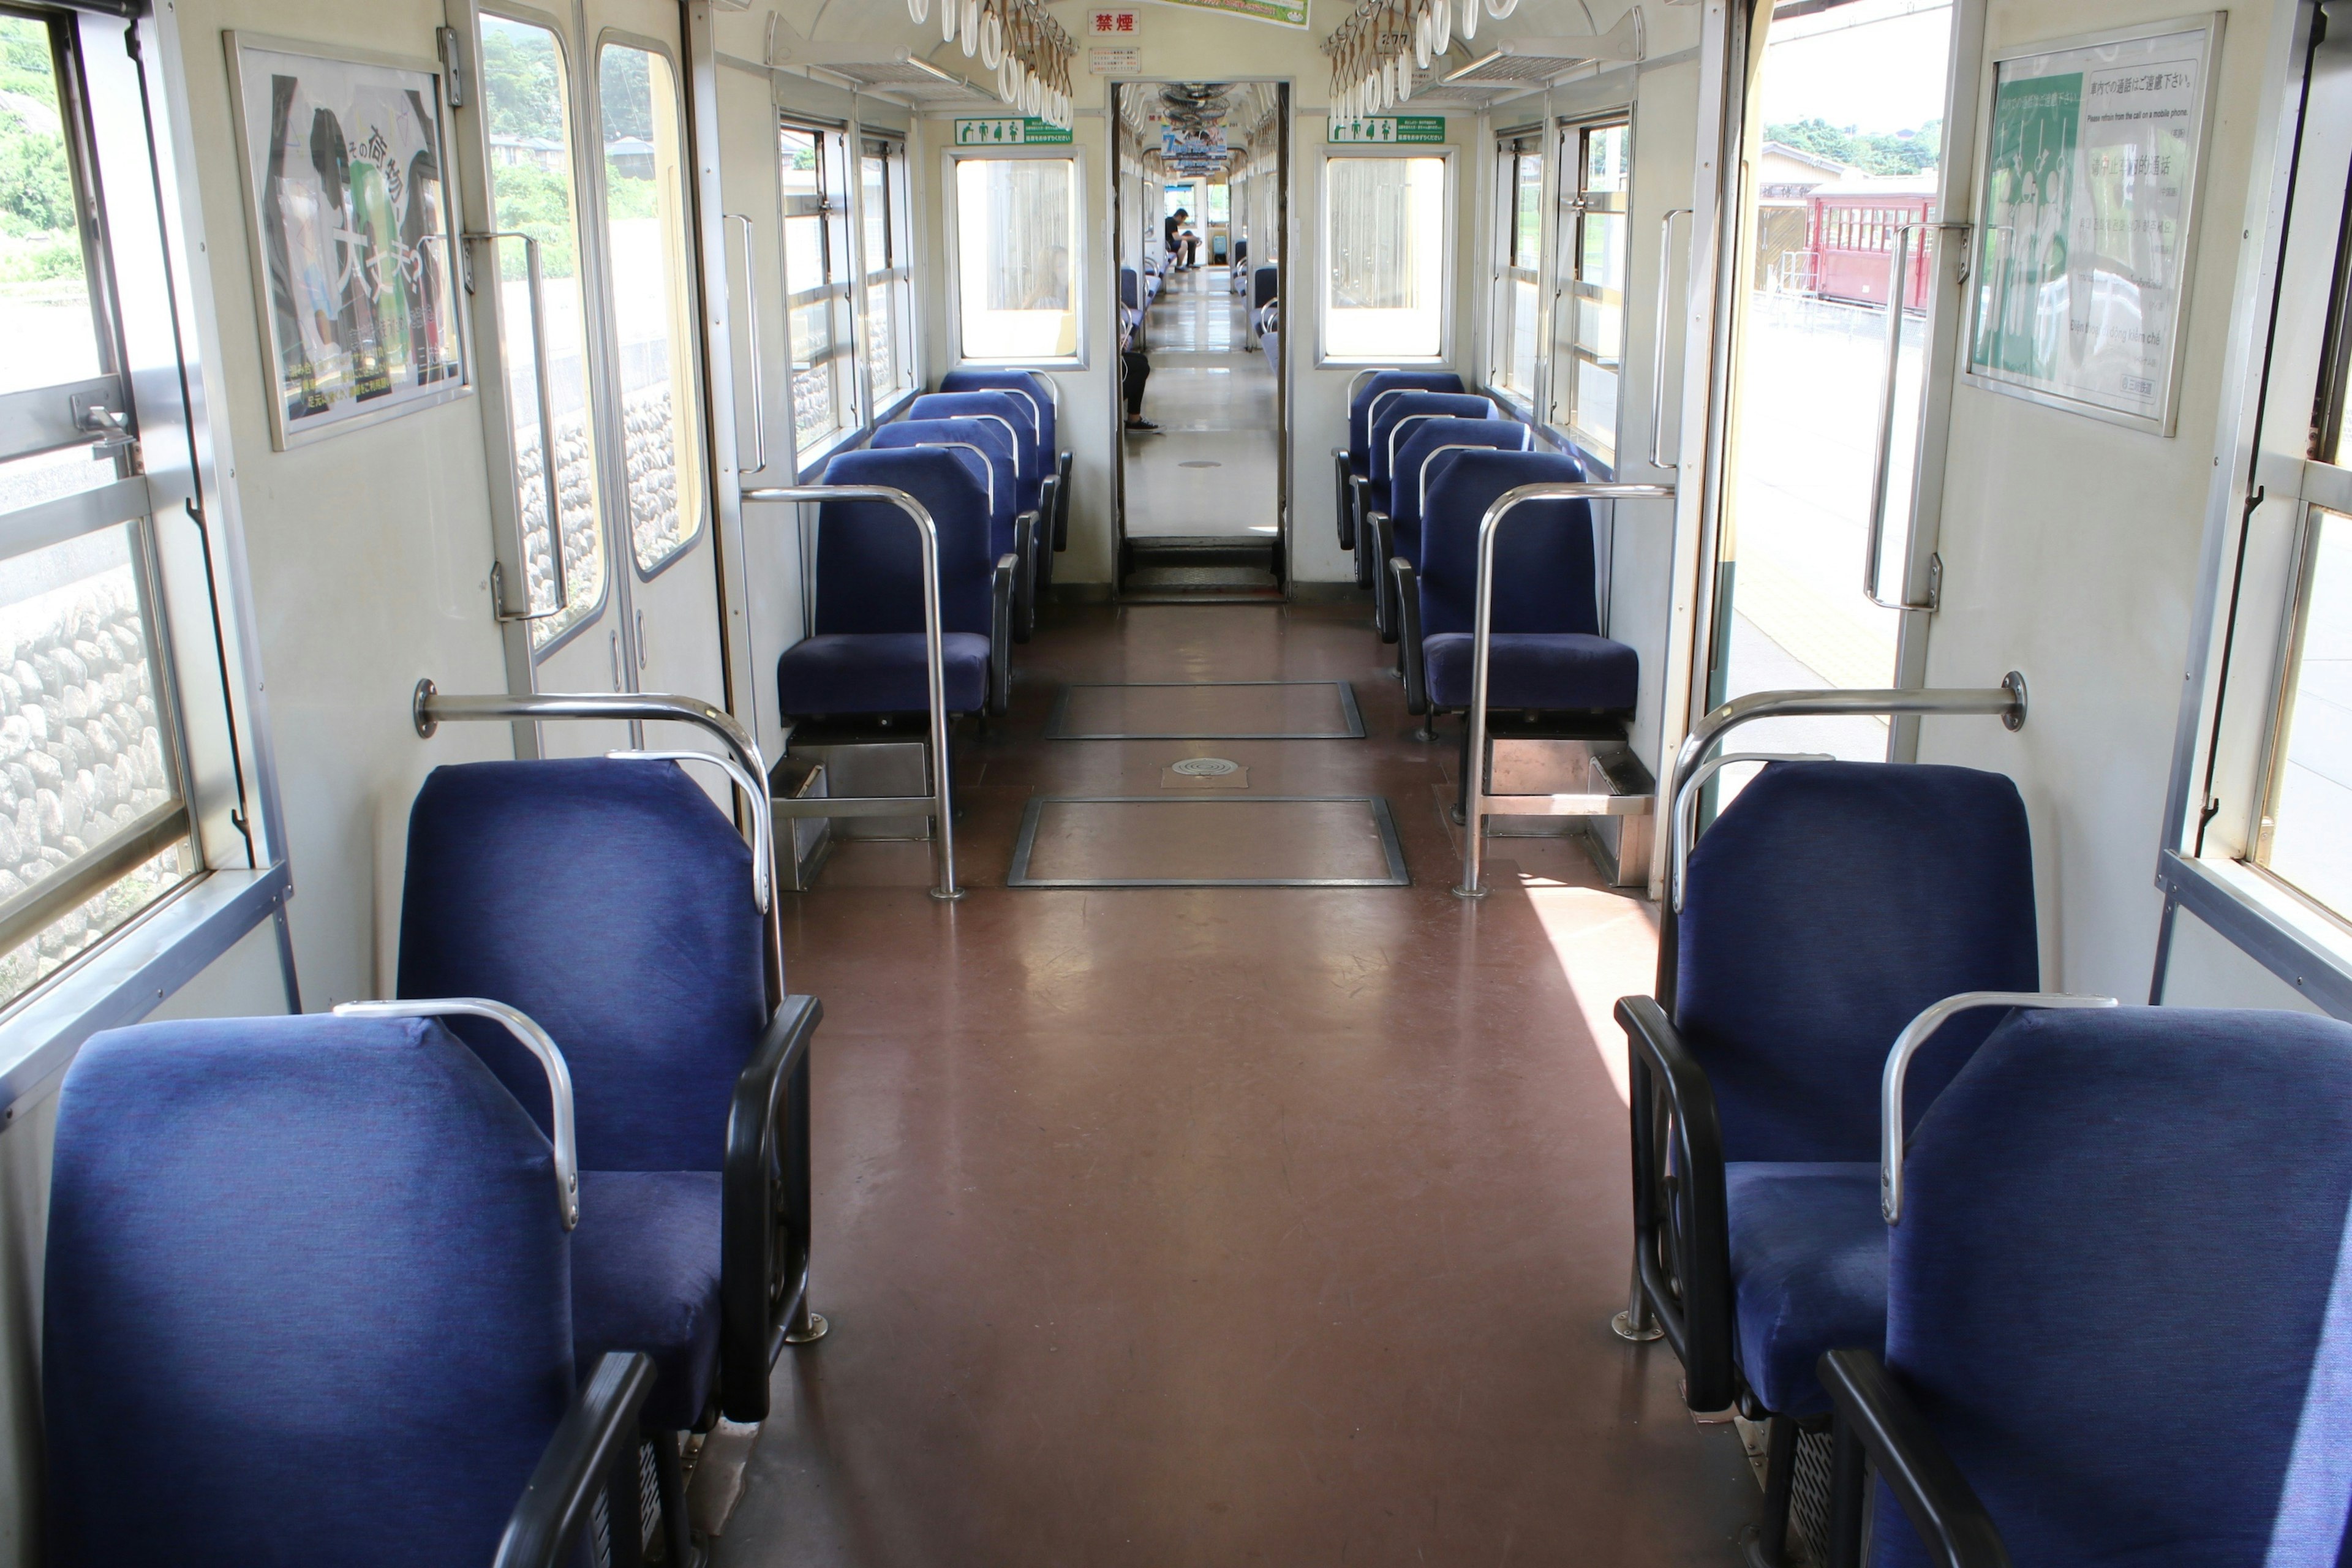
(1282, 13)
(2029, 200)
(1014, 131)
(2079, 262)
(1388, 129)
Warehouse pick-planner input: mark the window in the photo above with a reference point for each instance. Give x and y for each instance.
(1017, 234)
(1384, 241)
(816, 288)
(526, 95)
(94, 820)
(2305, 835)
(890, 271)
(1518, 256)
(645, 222)
(1589, 325)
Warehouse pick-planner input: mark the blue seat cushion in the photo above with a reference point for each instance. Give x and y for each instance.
(645, 1276)
(1534, 670)
(1808, 1272)
(879, 672)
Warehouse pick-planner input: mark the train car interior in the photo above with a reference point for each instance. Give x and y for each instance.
(878, 784)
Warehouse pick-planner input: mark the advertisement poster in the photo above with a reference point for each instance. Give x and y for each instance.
(351, 219)
(1282, 13)
(2088, 216)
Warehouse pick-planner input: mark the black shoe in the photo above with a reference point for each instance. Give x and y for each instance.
(1146, 426)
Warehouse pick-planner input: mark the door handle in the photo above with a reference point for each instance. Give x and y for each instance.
(1658, 346)
(1883, 452)
(751, 333)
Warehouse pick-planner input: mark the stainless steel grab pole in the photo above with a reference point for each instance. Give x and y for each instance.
(1658, 343)
(943, 841)
(1474, 777)
(430, 707)
(546, 431)
(1882, 454)
(752, 336)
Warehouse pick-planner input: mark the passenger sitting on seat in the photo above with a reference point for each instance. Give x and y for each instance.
(1134, 370)
(1183, 245)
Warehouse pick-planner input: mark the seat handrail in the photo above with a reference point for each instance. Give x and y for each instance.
(2006, 701)
(1916, 1034)
(1396, 431)
(1476, 800)
(1527, 443)
(934, 670)
(1683, 828)
(430, 707)
(534, 1039)
(763, 822)
(974, 447)
(1364, 375)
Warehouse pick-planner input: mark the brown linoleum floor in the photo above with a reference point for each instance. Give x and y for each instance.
(1207, 1227)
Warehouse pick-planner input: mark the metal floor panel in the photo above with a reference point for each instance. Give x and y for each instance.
(1206, 711)
(1209, 841)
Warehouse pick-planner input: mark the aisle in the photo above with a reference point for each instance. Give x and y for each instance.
(1213, 472)
(1224, 1225)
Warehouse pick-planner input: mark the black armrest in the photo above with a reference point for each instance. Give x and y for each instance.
(1407, 582)
(764, 1231)
(1876, 1418)
(1062, 506)
(1359, 499)
(1049, 508)
(1000, 635)
(1025, 585)
(1347, 499)
(1383, 548)
(1368, 533)
(598, 1435)
(1682, 1239)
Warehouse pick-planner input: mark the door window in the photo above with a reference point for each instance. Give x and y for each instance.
(526, 96)
(647, 219)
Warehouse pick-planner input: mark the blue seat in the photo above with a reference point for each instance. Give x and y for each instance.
(307, 1299)
(865, 655)
(1021, 496)
(1352, 463)
(2104, 1208)
(1396, 533)
(1829, 905)
(1052, 461)
(1398, 412)
(1012, 531)
(611, 902)
(1547, 653)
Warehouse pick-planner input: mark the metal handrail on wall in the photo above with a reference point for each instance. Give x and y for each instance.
(1476, 800)
(943, 835)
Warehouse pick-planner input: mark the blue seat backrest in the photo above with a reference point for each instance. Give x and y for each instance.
(308, 1298)
(1829, 905)
(994, 447)
(1544, 564)
(1017, 417)
(611, 900)
(1261, 284)
(1127, 289)
(1404, 405)
(1358, 427)
(1028, 388)
(869, 560)
(1427, 435)
(2148, 1198)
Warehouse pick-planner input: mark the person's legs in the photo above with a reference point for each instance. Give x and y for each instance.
(1134, 370)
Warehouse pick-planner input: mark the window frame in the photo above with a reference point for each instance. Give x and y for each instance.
(1449, 196)
(1081, 253)
(1512, 151)
(127, 123)
(847, 431)
(2295, 329)
(1558, 418)
(896, 276)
